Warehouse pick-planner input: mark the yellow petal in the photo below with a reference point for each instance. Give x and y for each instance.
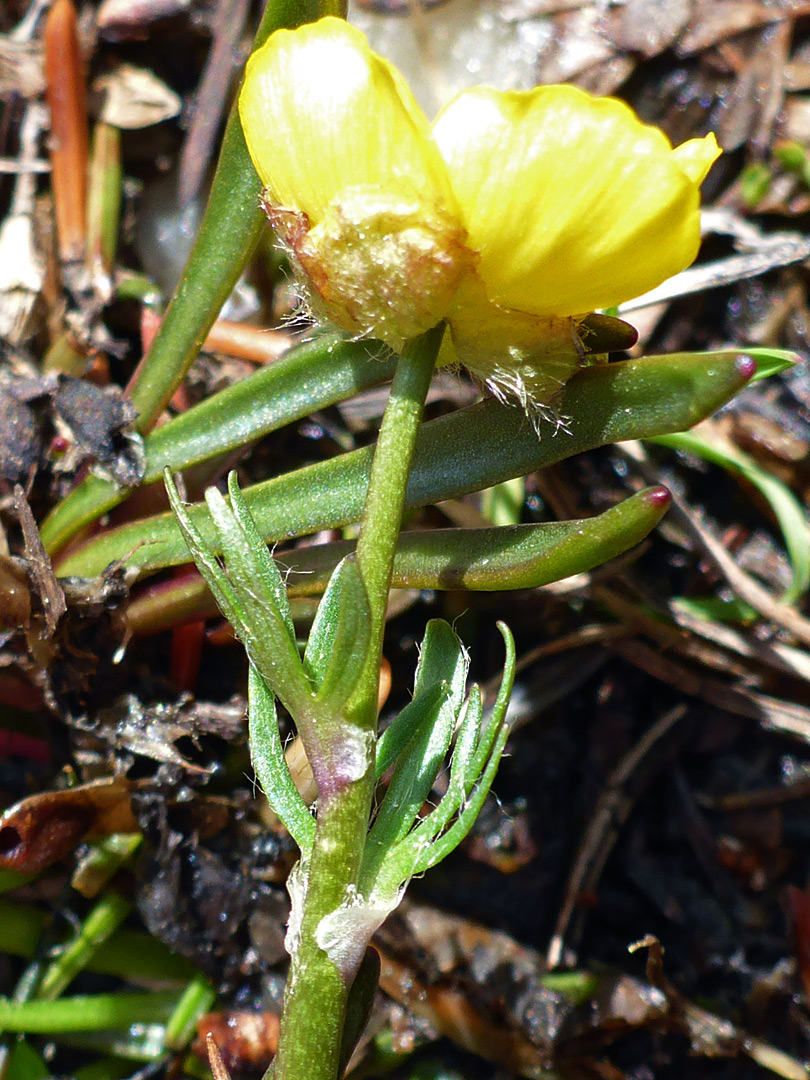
(696, 157)
(322, 113)
(571, 201)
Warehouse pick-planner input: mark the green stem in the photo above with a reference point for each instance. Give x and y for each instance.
(230, 229)
(103, 920)
(388, 482)
(318, 986)
(86, 1013)
(196, 1000)
(128, 954)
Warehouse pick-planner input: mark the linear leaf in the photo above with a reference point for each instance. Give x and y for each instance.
(465, 451)
(271, 766)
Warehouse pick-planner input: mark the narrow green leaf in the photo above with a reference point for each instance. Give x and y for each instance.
(24, 1063)
(503, 504)
(12, 879)
(246, 599)
(414, 718)
(86, 1013)
(105, 917)
(443, 663)
(340, 637)
(260, 560)
(362, 996)
(497, 719)
(318, 652)
(462, 769)
(468, 735)
(207, 564)
(523, 556)
(128, 954)
(141, 1043)
(271, 767)
(456, 454)
(473, 753)
(196, 1000)
(414, 776)
(441, 847)
(262, 627)
(311, 376)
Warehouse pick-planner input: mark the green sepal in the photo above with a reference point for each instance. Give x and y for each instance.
(606, 334)
(339, 640)
(270, 765)
(465, 451)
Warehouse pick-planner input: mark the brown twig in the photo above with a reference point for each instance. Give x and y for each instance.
(610, 813)
(742, 583)
(212, 97)
(65, 95)
(240, 340)
(215, 1059)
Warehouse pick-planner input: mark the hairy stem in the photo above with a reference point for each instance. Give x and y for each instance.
(319, 984)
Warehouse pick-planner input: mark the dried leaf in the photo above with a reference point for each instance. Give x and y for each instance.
(129, 20)
(98, 419)
(195, 902)
(132, 728)
(756, 99)
(20, 436)
(799, 901)
(40, 567)
(21, 275)
(135, 98)
(215, 1059)
(15, 595)
(245, 1042)
(649, 26)
(577, 45)
(722, 19)
(43, 829)
(22, 69)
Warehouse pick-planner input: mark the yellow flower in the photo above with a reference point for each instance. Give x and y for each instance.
(512, 217)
